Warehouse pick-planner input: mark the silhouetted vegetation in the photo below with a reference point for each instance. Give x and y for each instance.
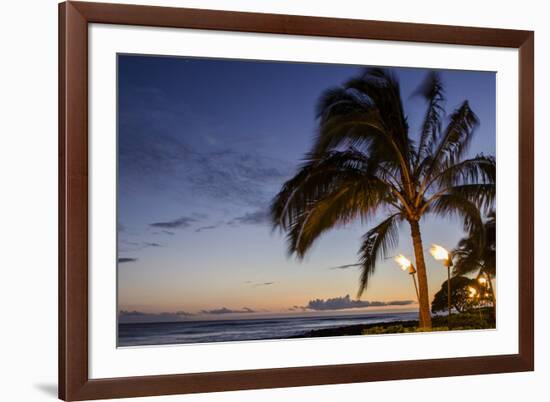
(460, 295)
(479, 319)
(476, 254)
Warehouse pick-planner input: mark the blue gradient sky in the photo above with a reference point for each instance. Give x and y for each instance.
(203, 147)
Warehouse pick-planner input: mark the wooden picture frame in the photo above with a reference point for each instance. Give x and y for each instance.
(74, 381)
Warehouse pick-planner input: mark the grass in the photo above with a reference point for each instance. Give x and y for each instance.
(481, 319)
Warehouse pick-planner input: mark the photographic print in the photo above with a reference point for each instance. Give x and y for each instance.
(264, 200)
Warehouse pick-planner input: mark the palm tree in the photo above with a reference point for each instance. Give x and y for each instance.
(476, 253)
(364, 163)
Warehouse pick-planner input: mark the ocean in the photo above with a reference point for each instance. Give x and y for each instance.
(183, 332)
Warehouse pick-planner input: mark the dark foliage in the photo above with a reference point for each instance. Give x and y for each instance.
(477, 252)
(460, 300)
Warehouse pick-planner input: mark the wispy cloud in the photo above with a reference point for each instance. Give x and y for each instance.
(123, 260)
(263, 284)
(346, 266)
(261, 216)
(127, 316)
(126, 246)
(258, 217)
(127, 313)
(207, 227)
(345, 302)
(225, 310)
(256, 284)
(163, 232)
(179, 223)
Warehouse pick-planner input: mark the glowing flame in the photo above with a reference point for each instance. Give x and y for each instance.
(482, 280)
(439, 253)
(473, 291)
(403, 262)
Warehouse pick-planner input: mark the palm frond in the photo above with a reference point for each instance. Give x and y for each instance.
(376, 244)
(382, 88)
(489, 249)
(477, 252)
(481, 195)
(454, 141)
(466, 257)
(479, 169)
(432, 92)
(341, 101)
(453, 204)
(358, 129)
(327, 193)
(314, 180)
(350, 200)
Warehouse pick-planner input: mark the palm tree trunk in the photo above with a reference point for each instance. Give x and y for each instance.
(424, 302)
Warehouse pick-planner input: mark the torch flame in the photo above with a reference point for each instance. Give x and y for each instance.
(403, 262)
(439, 253)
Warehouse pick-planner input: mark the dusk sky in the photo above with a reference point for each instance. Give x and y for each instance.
(203, 147)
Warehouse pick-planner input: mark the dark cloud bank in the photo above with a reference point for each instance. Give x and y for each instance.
(345, 302)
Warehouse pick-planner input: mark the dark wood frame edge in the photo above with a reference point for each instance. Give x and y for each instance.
(74, 382)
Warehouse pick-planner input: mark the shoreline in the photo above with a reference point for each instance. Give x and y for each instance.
(357, 329)
(461, 321)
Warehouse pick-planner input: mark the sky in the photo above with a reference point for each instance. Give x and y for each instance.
(203, 147)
